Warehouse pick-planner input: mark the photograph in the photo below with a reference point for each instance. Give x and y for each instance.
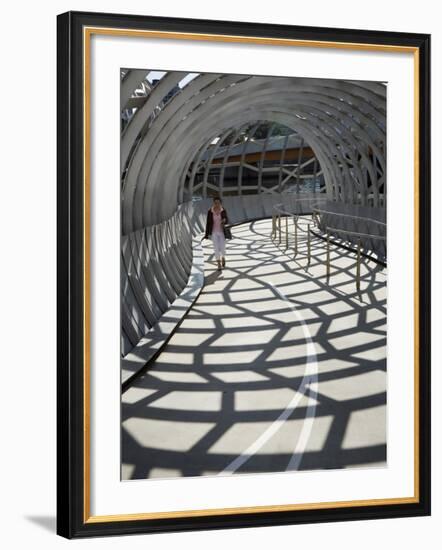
(241, 342)
(221, 229)
(254, 270)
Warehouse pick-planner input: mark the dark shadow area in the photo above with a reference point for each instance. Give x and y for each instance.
(48, 523)
(212, 278)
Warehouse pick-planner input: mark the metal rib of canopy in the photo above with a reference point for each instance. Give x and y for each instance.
(176, 127)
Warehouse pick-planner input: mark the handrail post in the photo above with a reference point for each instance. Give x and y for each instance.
(358, 266)
(273, 234)
(308, 246)
(328, 256)
(279, 228)
(295, 246)
(315, 218)
(286, 232)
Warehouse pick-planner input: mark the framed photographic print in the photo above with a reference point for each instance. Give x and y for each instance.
(243, 274)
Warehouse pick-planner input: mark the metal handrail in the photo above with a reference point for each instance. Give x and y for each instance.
(358, 250)
(358, 234)
(279, 207)
(371, 220)
(276, 229)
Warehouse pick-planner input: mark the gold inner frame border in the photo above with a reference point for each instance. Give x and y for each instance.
(88, 32)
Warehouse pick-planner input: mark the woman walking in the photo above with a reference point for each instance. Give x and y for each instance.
(218, 232)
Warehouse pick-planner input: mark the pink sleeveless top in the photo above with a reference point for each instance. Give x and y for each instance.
(217, 226)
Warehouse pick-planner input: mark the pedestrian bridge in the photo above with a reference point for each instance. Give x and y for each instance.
(278, 362)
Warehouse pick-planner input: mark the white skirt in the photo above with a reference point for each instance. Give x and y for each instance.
(219, 244)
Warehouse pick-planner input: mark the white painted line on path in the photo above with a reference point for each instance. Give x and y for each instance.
(308, 385)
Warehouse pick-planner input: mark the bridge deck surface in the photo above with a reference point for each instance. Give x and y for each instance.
(272, 369)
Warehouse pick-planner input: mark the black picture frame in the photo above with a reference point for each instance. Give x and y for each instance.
(72, 516)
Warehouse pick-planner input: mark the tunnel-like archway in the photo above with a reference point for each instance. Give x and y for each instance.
(256, 157)
(253, 140)
(167, 128)
(277, 363)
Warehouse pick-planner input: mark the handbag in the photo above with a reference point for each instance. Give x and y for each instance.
(227, 233)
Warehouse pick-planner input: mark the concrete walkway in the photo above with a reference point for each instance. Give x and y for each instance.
(272, 369)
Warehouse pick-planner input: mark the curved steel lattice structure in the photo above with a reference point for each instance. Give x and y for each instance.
(255, 139)
(174, 125)
(261, 157)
